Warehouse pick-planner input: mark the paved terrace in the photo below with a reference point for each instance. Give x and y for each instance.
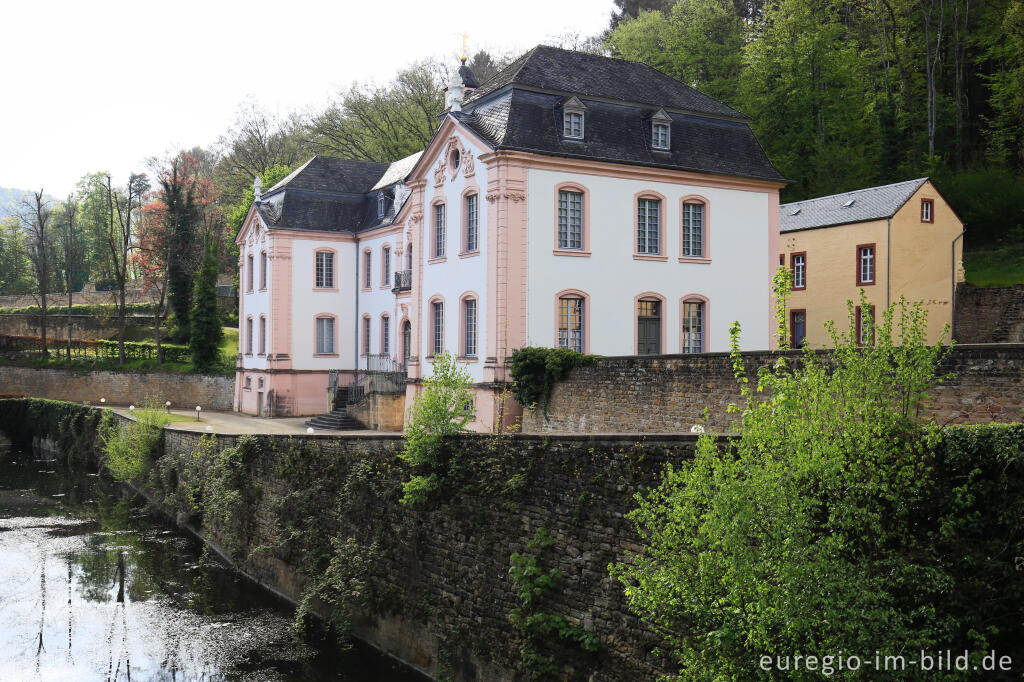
(236, 424)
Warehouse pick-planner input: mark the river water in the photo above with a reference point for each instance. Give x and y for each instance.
(92, 588)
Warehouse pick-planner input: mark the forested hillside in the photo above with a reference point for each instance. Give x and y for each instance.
(846, 94)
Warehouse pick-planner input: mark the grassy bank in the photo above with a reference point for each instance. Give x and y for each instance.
(995, 266)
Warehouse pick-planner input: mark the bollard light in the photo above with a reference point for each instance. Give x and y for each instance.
(209, 428)
(131, 407)
(309, 430)
(102, 400)
(168, 406)
(198, 410)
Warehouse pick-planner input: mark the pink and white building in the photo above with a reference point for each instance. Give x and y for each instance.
(572, 200)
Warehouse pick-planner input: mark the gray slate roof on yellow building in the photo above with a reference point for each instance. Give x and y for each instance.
(872, 203)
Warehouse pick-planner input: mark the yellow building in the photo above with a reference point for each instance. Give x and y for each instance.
(896, 240)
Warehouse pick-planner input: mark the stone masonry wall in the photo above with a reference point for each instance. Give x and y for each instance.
(989, 314)
(380, 411)
(119, 388)
(669, 393)
(82, 326)
(77, 298)
(447, 566)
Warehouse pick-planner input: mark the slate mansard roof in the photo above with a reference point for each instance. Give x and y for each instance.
(335, 195)
(520, 109)
(872, 203)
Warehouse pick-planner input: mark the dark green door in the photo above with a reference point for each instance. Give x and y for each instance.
(648, 326)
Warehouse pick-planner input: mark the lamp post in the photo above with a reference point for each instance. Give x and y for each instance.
(103, 401)
(168, 406)
(131, 408)
(198, 410)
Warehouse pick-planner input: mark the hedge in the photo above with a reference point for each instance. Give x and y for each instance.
(97, 349)
(97, 309)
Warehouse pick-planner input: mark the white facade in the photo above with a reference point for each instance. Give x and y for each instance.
(733, 280)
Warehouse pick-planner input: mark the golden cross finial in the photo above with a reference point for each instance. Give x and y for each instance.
(465, 41)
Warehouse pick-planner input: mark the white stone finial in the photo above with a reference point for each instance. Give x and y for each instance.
(456, 91)
(257, 187)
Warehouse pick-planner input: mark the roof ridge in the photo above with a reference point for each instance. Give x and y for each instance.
(920, 181)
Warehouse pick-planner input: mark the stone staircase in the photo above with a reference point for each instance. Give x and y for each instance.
(338, 419)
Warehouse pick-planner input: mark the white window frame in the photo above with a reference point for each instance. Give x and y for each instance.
(645, 227)
(472, 222)
(323, 277)
(469, 321)
(570, 111)
(440, 229)
(693, 231)
(692, 340)
(325, 335)
(570, 224)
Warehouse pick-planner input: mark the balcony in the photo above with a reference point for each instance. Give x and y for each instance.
(403, 281)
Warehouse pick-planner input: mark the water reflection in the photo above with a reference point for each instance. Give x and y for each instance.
(91, 588)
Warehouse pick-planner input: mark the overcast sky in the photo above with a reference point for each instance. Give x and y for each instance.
(103, 85)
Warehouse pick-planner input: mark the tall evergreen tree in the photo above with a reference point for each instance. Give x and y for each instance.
(206, 329)
(182, 217)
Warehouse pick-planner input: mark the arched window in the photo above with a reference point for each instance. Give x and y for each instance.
(248, 335)
(440, 225)
(366, 334)
(385, 334)
(367, 268)
(382, 205)
(471, 222)
(324, 269)
(326, 330)
(408, 257)
(693, 316)
(249, 274)
(650, 223)
(572, 219)
(695, 224)
(263, 269)
(263, 335)
(571, 320)
(468, 327)
(436, 312)
(385, 265)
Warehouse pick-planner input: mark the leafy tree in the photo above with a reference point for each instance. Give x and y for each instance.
(383, 123)
(811, 530)
(207, 332)
(14, 264)
(35, 215)
(699, 42)
(444, 408)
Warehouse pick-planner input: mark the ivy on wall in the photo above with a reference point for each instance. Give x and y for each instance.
(535, 371)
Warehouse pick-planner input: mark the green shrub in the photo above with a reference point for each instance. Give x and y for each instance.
(535, 371)
(129, 449)
(443, 408)
(72, 426)
(108, 310)
(836, 520)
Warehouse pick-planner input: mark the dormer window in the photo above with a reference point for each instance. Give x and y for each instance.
(661, 130)
(572, 119)
(382, 205)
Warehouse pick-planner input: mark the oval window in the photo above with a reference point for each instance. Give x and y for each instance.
(456, 157)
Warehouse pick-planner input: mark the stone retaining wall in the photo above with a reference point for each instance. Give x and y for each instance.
(989, 314)
(82, 326)
(119, 388)
(670, 393)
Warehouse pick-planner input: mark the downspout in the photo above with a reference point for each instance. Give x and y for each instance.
(355, 334)
(952, 277)
(888, 261)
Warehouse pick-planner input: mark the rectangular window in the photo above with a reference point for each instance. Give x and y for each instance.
(263, 336)
(866, 264)
(385, 266)
(927, 211)
(570, 220)
(324, 270)
(385, 335)
(325, 335)
(659, 136)
(472, 229)
(693, 327)
(798, 328)
(469, 320)
(248, 282)
(799, 263)
(366, 336)
(263, 270)
(570, 323)
(573, 125)
(248, 336)
(693, 230)
(438, 345)
(367, 269)
(439, 230)
(648, 238)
